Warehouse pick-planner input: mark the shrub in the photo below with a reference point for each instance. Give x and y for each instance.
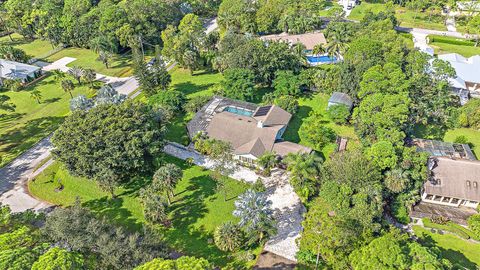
(288, 103)
(258, 186)
(453, 41)
(196, 103)
(399, 211)
(474, 225)
(439, 220)
(228, 237)
(338, 113)
(461, 139)
(171, 98)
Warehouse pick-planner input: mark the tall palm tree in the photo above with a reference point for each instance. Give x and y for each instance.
(166, 178)
(37, 95)
(337, 45)
(305, 173)
(89, 75)
(268, 160)
(68, 86)
(396, 180)
(105, 57)
(76, 73)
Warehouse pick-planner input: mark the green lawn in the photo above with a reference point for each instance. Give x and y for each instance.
(406, 17)
(443, 48)
(120, 66)
(34, 48)
(31, 121)
(316, 103)
(457, 250)
(195, 212)
(201, 83)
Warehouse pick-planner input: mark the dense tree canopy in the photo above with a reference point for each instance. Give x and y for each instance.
(109, 143)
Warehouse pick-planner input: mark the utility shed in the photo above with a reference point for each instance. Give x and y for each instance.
(338, 98)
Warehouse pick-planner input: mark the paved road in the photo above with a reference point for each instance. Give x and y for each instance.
(14, 177)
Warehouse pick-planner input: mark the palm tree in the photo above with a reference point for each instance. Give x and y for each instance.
(305, 172)
(267, 161)
(37, 95)
(58, 75)
(89, 75)
(228, 236)
(396, 180)
(105, 57)
(68, 86)
(256, 215)
(166, 178)
(337, 45)
(319, 49)
(76, 73)
(80, 103)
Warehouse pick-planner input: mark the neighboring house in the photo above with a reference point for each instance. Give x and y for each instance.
(468, 72)
(453, 182)
(18, 71)
(251, 130)
(309, 40)
(338, 98)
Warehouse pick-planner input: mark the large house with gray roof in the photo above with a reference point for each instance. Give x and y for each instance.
(252, 130)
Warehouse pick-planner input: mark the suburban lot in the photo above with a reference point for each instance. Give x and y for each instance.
(31, 121)
(34, 48)
(406, 17)
(196, 210)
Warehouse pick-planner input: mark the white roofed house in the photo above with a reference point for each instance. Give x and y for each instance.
(11, 70)
(468, 73)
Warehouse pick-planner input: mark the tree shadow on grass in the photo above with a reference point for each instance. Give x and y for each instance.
(291, 134)
(454, 256)
(187, 208)
(51, 100)
(189, 88)
(25, 136)
(113, 211)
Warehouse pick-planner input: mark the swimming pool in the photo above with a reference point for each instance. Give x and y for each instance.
(321, 59)
(238, 111)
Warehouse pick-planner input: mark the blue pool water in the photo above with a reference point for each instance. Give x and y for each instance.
(238, 111)
(321, 59)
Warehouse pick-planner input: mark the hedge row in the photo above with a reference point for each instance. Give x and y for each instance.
(450, 40)
(450, 227)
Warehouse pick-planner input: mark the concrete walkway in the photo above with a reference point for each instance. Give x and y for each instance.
(288, 209)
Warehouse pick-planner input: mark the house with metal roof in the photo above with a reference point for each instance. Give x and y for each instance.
(18, 71)
(251, 130)
(338, 98)
(467, 72)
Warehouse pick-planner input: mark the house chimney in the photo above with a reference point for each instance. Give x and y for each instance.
(260, 124)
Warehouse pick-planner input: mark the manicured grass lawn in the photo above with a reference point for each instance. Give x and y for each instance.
(443, 48)
(31, 121)
(457, 250)
(34, 48)
(119, 66)
(406, 17)
(201, 83)
(195, 212)
(317, 103)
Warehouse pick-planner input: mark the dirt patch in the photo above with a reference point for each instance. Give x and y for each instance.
(268, 260)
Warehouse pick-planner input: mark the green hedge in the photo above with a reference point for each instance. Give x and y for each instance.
(450, 227)
(451, 40)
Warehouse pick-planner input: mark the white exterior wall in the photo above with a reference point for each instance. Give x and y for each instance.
(436, 198)
(242, 158)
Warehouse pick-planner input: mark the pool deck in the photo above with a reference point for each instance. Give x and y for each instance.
(217, 104)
